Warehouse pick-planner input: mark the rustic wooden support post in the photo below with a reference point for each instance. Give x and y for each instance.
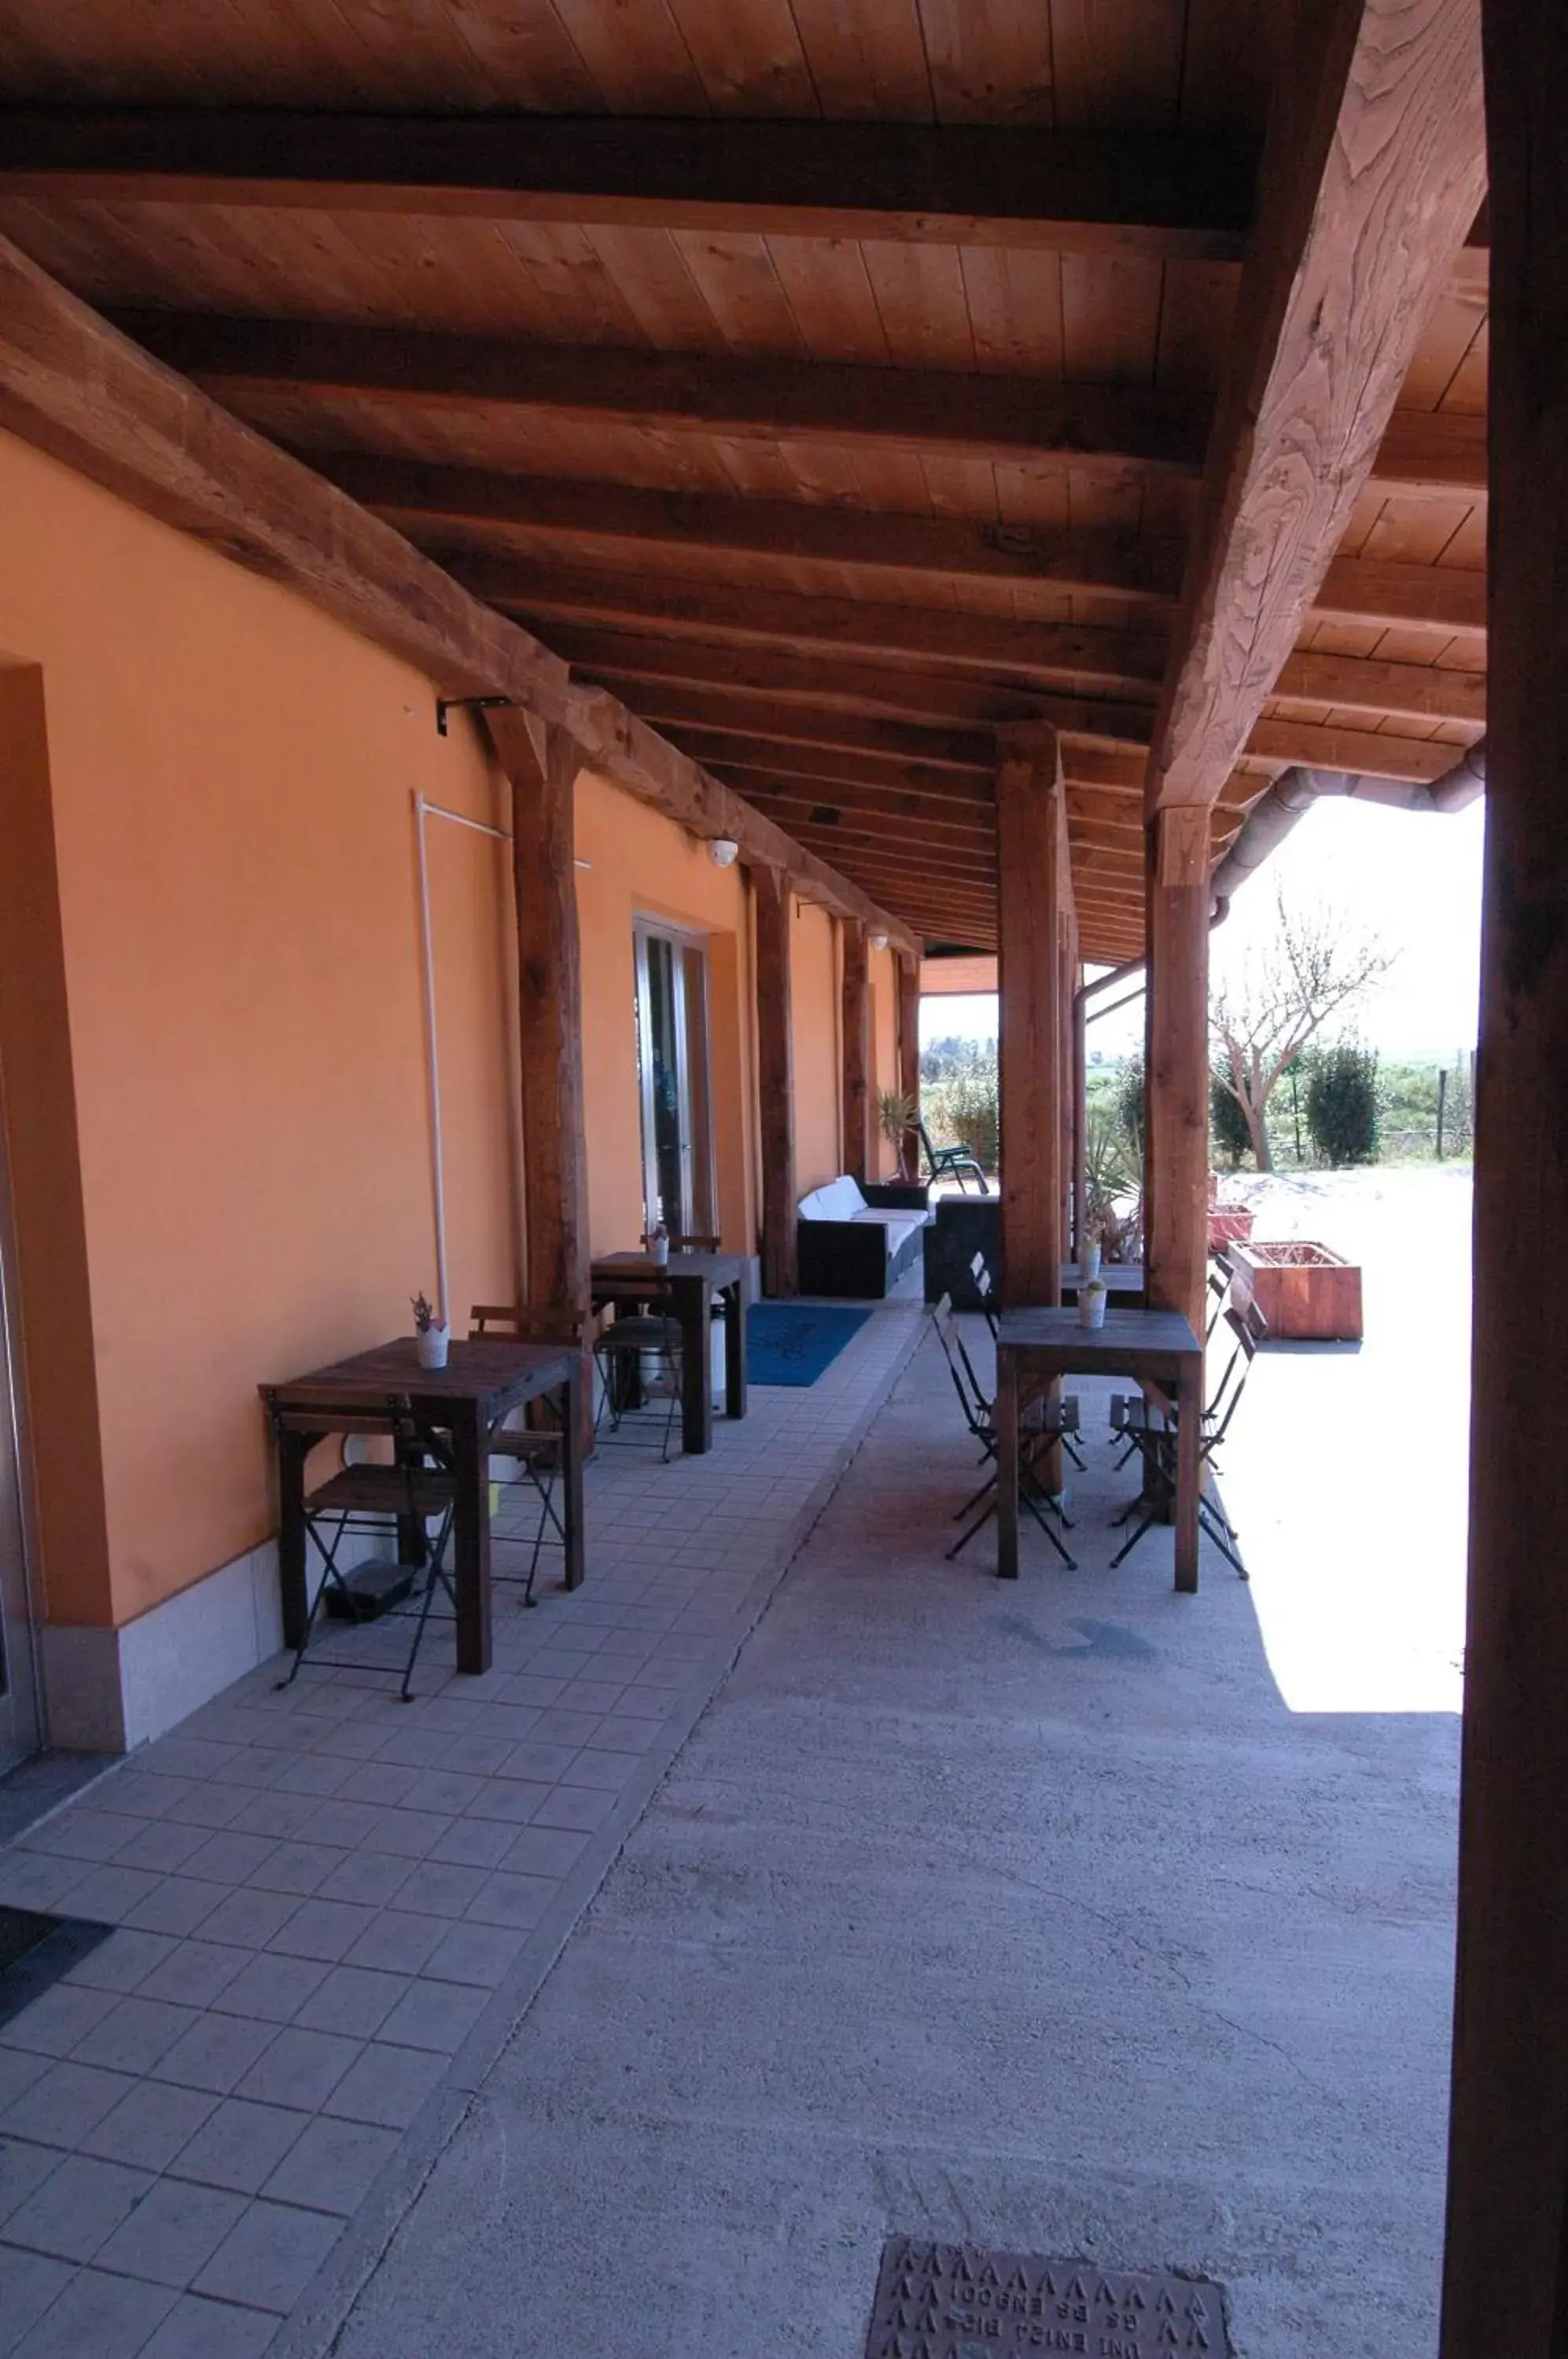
(541, 762)
(775, 1079)
(857, 1027)
(1176, 1063)
(1505, 2273)
(1030, 834)
(909, 1057)
(1080, 1115)
(1065, 997)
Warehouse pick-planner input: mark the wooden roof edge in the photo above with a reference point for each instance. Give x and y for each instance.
(73, 385)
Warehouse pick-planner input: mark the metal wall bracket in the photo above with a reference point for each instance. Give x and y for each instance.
(445, 704)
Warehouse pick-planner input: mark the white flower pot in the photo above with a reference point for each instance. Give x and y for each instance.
(1092, 1259)
(1092, 1300)
(433, 1343)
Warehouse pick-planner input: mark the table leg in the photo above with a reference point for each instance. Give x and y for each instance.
(1006, 1414)
(692, 1308)
(470, 1540)
(1188, 1428)
(293, 1449)
(572, 1475)
(735, 1350)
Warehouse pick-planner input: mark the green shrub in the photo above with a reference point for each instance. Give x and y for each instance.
(1342, 1103)
(1227, 1124)
(1129, 1106)
(973, 1115)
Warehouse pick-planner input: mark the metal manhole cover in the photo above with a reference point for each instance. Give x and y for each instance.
(965, 2302)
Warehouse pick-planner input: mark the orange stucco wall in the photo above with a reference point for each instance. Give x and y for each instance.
(231, 776)
(639, 864)
(815, 1017)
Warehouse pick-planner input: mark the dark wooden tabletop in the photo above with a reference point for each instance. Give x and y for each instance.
(718, 1269)
(1126, 1337)
(474, 1371)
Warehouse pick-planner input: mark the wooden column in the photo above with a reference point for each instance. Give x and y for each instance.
(1176, 1063)
(1065, 996)
(1030, 811)
(909, 1056)
(1505, 2276)
(775, 1080)
(542, 763)
(856, 1024)
(1080, 1113)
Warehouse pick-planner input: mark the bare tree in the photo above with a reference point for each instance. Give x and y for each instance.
(1313, 967)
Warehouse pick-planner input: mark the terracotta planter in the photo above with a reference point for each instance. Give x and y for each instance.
(1229, 1224)
(1307, 1293)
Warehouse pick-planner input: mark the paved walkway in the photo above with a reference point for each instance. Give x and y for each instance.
(1036, 1919)
(333, 1910)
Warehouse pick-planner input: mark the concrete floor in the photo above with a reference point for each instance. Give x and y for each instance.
(1037, 1919)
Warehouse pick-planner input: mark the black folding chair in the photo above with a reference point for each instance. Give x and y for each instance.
(534, 1449)
(950, 1162)
(1152, 1432)
(1049, 1421)
(981, 1273)
(622, 1353)
(364, 1501)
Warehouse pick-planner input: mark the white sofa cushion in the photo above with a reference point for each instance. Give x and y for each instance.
(896, 1223)
(841, 1200)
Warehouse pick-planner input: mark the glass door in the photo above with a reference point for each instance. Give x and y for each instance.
(672, 1072)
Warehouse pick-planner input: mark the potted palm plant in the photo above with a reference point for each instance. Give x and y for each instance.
(897, 1115)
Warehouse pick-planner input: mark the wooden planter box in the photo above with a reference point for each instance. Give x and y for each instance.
(1229, 1224)
(1306, 1292)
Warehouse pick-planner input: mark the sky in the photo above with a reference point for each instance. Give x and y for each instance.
(1409, 879)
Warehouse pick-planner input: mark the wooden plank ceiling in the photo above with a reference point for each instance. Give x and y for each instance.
(857, 405)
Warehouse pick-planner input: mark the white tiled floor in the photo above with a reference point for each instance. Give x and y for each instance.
(323, 1895)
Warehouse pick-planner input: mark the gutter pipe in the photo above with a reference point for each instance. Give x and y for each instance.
(1293, 793)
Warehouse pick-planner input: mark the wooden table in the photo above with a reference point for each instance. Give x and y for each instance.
(480, 1386)
(688, 1281)
(1036, 1347)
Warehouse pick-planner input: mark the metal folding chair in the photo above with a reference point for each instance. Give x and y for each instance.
(1152, 1432)
(535, 1450)
(1050, 1421)
(981, 1272)
(361, 1501)
(620, 1352)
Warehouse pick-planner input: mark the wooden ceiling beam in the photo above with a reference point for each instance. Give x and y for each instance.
(1108, 434)
(444, 499)
(807, 764)
(614, 655)
(72, 386)
(885, 817)
(1145, 568)
(1114, 436)
(969, 755)
(1374, 171)
(1091, 732)
(1092, 659)
(1126, 663)
(1402, 597)
(1071, 191)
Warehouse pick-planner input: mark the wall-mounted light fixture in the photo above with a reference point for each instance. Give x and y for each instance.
(878, 941)
(725, 850)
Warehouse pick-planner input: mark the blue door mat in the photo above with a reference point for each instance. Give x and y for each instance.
(35, 1951)
(792, 1342)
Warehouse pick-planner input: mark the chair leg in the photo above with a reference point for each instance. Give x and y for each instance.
(437, 1574)
(328, 1574)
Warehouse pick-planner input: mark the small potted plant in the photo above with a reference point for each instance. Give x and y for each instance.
(1093, 1246)
(1092, 1296)
(657, 1242)
(431, 1335)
